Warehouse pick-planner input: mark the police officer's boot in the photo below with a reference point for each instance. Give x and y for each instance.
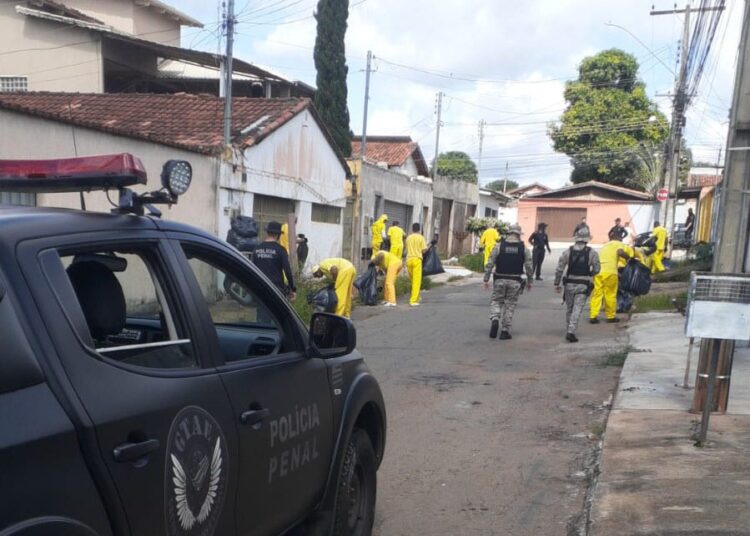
(494, 327)
(505, 335)
(570, 337)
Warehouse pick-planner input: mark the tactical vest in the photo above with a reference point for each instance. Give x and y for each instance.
(578, 262)
(510, 258)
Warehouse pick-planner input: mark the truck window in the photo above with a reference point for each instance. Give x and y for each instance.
(245, 326)
(126, 308)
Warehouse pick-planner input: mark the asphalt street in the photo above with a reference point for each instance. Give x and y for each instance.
(486, 436)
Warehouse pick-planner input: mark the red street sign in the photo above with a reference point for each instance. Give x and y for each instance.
(662, 195)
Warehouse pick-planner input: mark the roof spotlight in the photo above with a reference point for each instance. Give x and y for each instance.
(176, 176)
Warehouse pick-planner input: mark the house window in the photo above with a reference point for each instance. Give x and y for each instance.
(489, 213)
(326, 213)
(13, 83)
(17, 199)
(267, 209)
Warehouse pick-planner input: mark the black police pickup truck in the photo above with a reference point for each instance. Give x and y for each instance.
(137, 397)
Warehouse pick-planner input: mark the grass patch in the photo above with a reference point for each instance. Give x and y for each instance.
(680, 271)
(473, 262)
(660, 302)
(454, 278)
(616, 358)
(597, 429)
(306, 287)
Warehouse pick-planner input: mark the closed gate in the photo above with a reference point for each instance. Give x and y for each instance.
(400, 213)
(560, 221)
(267, 208)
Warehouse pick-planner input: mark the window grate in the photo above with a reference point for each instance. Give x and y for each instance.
(14, 83)
(726, 289)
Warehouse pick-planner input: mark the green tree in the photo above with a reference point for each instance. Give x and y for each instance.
(608, 122)
(500, 185)
(330, 62)
(457, 165)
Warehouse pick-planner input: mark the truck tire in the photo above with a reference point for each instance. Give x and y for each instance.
(356, 488)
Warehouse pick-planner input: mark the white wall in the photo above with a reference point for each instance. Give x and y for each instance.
(74, 63)
(295, 162)
(40, 138)
(642, 216)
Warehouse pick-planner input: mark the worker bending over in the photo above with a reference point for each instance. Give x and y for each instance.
(659, 234)
(416, 247)
(507, 263)
(378, 233)
(391, 265)
(575, 268)
(488, 240)
(396, 237)
(341, 273)
(606, 281)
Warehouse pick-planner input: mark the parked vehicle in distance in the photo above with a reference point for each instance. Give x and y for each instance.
(138, 397)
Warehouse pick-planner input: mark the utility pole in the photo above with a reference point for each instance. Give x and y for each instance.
(505, 178)
(363, 145)
(228, 74)
(439, 106)
(482, 124)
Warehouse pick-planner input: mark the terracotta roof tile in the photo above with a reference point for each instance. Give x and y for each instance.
(187, 121)
(393, 150)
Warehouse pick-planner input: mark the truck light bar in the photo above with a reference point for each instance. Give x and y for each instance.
(82, 174)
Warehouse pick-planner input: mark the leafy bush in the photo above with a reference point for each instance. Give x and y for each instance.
(478, 225)
(473, 262)
(305, 287)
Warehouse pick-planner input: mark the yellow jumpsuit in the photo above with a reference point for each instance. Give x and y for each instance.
(396, 236)
(284, 238)
(488, 240)
(391, 265)
(415, 245)
(343, 284)
(378, 228)
(605, 282)
(660, 233)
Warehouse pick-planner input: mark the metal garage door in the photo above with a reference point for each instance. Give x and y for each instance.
(267, 208)
(400, 213)
(560, 221)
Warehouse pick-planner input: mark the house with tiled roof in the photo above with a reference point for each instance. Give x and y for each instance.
(282, 160)
(115, 46)
(397, 153)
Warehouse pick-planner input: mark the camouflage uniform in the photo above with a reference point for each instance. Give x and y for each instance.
(505, 292)
(575, 294)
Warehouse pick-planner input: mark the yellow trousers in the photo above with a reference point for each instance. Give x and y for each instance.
(376, 247)
(397, 250)
(656, 265)
(605, 288)
(414, 267)
(343, 288)
(487, 251)
(394, 268)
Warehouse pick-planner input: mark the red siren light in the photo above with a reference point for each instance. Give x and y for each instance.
(87, 173)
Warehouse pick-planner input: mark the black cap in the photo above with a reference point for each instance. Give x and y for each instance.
(273, 227)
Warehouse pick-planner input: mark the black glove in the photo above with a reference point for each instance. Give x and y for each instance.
(371, 265)
(433, 242)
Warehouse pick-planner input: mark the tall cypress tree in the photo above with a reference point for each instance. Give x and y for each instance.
(330, 62)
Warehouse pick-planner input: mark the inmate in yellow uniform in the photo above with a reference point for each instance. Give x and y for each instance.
(342, 285)
(415, 247)
(605, 282)
(488, 240)
(391, 265)
(378, 228)
(396, 236)
(660, 233)
(284, 238)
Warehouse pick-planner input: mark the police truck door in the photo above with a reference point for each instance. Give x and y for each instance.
(281, 398)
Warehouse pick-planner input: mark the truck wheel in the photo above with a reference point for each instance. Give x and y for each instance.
(356, 488)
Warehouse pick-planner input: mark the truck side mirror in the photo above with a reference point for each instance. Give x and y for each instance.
(331, 335)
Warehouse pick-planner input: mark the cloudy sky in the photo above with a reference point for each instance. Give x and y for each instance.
(495, 60)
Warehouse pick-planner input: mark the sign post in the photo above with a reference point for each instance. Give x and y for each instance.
(662, 195)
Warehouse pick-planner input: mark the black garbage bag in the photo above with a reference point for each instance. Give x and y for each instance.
(431, 264)
(624, 301)
(244, 234)
(324, 300)
(635, 278)
(367, 285)
(386, 245)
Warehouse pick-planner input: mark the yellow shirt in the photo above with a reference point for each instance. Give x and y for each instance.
(415, 244)
(386, 258)
(661, 237)
(340, 264)
(396, 236)
(489, 238)
(284, 238)
(608, 256)
(622, 262)
(377, 230)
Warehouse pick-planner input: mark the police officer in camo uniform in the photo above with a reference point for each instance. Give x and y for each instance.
(508, 261)
(580, 264)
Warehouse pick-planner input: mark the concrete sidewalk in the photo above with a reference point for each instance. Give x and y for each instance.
(653, 480)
